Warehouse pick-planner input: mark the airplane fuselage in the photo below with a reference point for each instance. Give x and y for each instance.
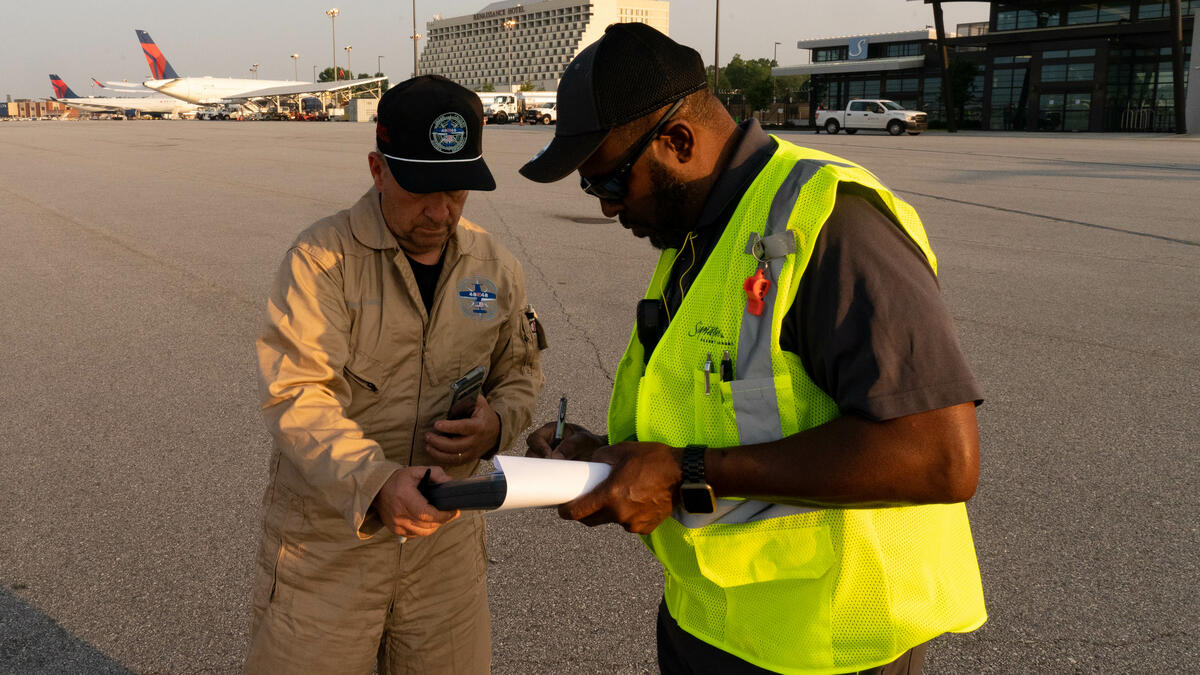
(210, 90)
(148, 104)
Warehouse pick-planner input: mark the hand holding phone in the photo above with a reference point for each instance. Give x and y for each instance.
(463, 392)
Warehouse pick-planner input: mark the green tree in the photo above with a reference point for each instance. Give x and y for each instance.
(526, 86)
(792, 88)
(724, 85)
(962, 86)
(487, 86)
(751, 78)
(369, 89)
(327, 75)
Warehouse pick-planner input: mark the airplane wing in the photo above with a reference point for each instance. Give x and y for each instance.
(100, 85)
(134, 86)
(302, 88)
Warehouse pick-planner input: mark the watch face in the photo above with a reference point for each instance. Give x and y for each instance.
(697, 498)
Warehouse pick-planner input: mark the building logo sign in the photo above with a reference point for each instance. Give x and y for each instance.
(858, 49)
(499, 12)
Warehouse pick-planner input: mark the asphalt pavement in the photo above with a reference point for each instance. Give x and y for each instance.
(132, 459)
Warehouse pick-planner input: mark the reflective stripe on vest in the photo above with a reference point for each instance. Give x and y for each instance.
(825, 591)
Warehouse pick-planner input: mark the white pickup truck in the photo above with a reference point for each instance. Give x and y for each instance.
(873, 113)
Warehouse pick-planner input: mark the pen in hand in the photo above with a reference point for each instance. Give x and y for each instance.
(562, 418)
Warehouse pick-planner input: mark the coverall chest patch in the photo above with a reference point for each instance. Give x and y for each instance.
(477, 298)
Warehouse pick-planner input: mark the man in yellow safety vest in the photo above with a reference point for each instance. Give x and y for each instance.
(792, 426)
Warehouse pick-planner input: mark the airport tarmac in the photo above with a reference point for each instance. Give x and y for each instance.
(133, 459)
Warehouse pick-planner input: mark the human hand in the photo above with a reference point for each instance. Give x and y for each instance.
(638, 493)
(465, 441)
(404, 510)
(577, 442)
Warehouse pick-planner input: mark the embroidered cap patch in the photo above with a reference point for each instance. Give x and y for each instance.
(448, 133)
(477, 298)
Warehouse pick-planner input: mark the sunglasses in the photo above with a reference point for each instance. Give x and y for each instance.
(614, 185)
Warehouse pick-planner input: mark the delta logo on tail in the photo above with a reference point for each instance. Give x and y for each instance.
(98, 83)
(159, 67)
(61, 90)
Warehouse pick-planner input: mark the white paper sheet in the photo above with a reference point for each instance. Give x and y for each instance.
(534, 482)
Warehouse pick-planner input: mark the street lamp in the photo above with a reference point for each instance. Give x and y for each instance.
(296, 66)
(717, 49)
(415, 36)
(314, 73)
(508, 26)
(332, 14)
(378, 65)
(349, 70)
(774, 64)
(254, 69)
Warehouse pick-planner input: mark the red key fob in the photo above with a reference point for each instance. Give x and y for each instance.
(756, 287)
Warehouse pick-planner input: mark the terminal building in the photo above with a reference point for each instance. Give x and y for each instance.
(1038, 65)
(507, 44)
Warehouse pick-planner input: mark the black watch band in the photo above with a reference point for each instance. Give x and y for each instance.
(695, 494)
(693, 464)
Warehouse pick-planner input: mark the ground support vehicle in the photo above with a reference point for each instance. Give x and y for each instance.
(503, 108)
(546, 114)
(879, 114)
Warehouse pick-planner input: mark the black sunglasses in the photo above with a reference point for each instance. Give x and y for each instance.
(614, 185)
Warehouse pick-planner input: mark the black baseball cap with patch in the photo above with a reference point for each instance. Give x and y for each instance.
(431, 132)
(630, 72)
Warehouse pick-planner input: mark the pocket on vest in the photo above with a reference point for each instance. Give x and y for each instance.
(776, 586)
(734, 559)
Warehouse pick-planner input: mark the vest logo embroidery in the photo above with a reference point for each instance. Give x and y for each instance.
(712, 335)
(477, 298)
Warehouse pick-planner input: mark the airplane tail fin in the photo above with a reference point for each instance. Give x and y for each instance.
(98, 83)
(61, 90)
(160, 69)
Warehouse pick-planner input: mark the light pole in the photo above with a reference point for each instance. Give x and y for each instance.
(508, 26)
(379, 65)
(296, 66)
(349, 70)
(314, 73)
(774, 64)
(415, 36)
(717, 49)
(332, 14)
(254, 69)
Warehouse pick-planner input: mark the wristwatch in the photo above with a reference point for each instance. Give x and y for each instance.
(695, 494)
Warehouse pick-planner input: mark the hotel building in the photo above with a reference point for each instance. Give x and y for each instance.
(509, 43)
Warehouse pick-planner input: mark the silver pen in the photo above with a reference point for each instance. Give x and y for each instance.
(562, 419)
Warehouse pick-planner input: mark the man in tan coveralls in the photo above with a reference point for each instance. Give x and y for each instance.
(373, 313)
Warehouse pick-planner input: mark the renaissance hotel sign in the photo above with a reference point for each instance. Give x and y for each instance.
(499, 12)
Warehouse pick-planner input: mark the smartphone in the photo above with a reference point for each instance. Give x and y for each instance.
(463, 392)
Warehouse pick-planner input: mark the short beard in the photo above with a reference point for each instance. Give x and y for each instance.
(671, 197)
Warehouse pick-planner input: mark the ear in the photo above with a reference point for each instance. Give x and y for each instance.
(378, 168)
(679, 141)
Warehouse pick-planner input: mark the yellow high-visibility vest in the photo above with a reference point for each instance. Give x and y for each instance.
(788, 589)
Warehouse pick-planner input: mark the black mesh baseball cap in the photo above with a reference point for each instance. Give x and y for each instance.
(630, 72)
(431, 132)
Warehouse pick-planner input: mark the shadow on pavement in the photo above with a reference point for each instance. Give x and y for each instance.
(31, 642)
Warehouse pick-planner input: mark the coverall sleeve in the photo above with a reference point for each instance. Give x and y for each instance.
(304, 393)
(516, 379)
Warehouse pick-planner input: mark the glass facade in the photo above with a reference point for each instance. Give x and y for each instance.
(1014, 16)
(1058, 78)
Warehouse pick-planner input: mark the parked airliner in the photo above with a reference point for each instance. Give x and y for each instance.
(210, 90)
(156, 105)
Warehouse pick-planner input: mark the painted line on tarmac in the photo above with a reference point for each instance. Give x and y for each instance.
(1185, 242)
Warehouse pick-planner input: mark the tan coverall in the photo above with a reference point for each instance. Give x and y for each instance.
(353, 373)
